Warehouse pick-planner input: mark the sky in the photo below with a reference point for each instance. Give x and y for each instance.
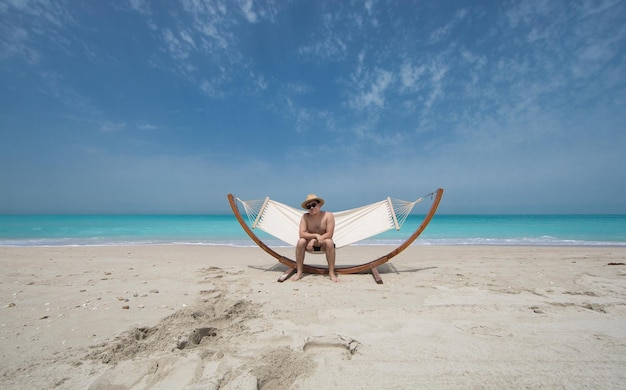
(144, 106)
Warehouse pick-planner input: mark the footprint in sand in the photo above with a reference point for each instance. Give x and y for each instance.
(143, 333)
(195, 337)
(345, 345)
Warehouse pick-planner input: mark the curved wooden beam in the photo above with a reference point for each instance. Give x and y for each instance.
(312, 269)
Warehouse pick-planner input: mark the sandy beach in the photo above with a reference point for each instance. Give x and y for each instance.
(211, 317)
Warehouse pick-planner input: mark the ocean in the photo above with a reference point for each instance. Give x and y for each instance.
(101, 230)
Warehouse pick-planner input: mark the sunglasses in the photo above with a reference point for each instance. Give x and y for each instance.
(311, 205)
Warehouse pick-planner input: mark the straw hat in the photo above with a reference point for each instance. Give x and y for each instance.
(311, 197)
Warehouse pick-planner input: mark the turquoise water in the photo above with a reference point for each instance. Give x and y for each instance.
(70, 230)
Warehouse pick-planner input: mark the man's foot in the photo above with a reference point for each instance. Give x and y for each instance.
(334, 277)
(296, 277)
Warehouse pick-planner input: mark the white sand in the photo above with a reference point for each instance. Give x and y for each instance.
(203, 317)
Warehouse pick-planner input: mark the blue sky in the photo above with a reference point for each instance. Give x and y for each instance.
(166, 106)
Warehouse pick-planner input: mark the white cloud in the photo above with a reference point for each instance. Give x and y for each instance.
(410, 76)
(374, 95)
(186, 37)
(28, 27)
(112, 127)
(261, 83)
(525, 12)
(445, 30)
(15, 43)
(437, 73)
(174, 45)
(212, 88)
(328, 48)
(478, 60)
(590, 8)
(327, 44)
(246, 9)
(140, 6)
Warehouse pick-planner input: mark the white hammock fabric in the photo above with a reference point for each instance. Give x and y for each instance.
(283, 222)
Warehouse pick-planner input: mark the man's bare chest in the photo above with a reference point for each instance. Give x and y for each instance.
(317, 225)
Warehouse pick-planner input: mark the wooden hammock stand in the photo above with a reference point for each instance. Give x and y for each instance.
(313, 269)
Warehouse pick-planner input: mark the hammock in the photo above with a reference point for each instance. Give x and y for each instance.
(283, 222)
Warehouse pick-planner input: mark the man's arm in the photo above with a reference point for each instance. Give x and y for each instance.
(304, 229)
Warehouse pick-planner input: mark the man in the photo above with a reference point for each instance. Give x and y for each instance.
(316, 234)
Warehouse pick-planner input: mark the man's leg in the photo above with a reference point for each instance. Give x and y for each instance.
(329, 246)
(300, 249)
